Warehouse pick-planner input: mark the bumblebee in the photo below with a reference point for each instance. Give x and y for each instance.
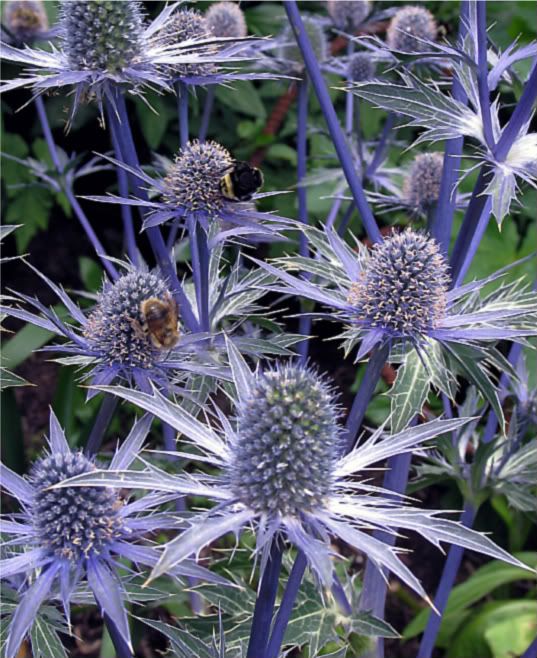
(159, 320)
(242, 182)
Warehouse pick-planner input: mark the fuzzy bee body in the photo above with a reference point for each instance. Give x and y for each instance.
(159, 320)
(242, 182)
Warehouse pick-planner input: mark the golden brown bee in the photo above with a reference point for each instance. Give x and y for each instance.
(159, 321)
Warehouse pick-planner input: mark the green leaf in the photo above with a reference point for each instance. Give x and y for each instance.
(31, 209)
(23, 343)
(409, 391)
(9, 379)
(484, 581)
(45, 640)
(242, 97)
(513, 635)
(154, 124)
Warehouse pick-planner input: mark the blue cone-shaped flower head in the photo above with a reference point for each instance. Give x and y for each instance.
(184, 25)
(422, 184)
(117, 327)
(226, 19)
(288, 442)
(73, 523)
(348, 15)
(409, 28)
(403, 287)
(361, 67)
(101, 35)
(193, 181)
(25, 20)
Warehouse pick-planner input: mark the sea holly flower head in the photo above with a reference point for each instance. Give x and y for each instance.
(410, 29)
(192, 191)
(403, 287)
(108, 44)
(422, 183)
(281, 469)
(290, 54)
(361, 66)
(348, 16)
(25, 21)
(226, 19)
(63, 537)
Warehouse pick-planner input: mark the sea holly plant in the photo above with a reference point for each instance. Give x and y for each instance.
(311, 206)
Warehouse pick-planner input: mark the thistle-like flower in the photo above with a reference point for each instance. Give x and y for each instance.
(422, 183)
(25, 21)
(348, 15)
(61, 537)
(120, 339)
(106, 44)
(283, 472)
(398, 295)
(192, 190)
(226, 19)
(411, 28)
(360, 67)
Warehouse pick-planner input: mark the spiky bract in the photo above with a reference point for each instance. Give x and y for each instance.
(226, 19)
(26, 20)
(361, 67)
(348, 14)
(114, 327)
(422, 184)
(72, 523)
(104, 36)
(184, 25)
(403, 287)
(193, 181)
(409, 26)
(287, 444)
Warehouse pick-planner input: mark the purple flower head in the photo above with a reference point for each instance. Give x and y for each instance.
(348, 15)
(280, 468)
(421, 188)
(410, 27)
(25, 21)
(288, 51)
(403, 287)
(360, 67)
(289, 413)
(226, 19)
(64, 536)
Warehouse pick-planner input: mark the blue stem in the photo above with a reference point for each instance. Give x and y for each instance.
(349, 99)
(102, 421)
(362, 398)
(80, 215)
(207, 112)
(442, 221)
(126, 211)
(304, 326)
(382, 146)
(482, 76)
(182, 111)
(330, 116)
(119, 123)
(200, 267)
(122, 648)
(447, 581)
(345, 220)
(286, 607)
(480, 229)
(264, 605)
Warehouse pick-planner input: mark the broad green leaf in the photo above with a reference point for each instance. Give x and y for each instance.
(242, 97)
(512, 636)
(23, 344)
(484, 581)
(409, 391)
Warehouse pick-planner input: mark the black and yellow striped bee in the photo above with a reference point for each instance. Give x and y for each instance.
(242, 182)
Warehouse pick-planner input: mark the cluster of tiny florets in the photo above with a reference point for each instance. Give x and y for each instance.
(287, 444)
(184, 25)
(348, 14)
(290, 50)
(115, 327)
(361, 67)
(102, 36)
(403, 287)
(193, 180)
(73, 523)
(409, 25)
(26, 20)
(226, 19)
(422, 183)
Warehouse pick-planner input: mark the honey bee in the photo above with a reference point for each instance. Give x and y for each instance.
(159, 320)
